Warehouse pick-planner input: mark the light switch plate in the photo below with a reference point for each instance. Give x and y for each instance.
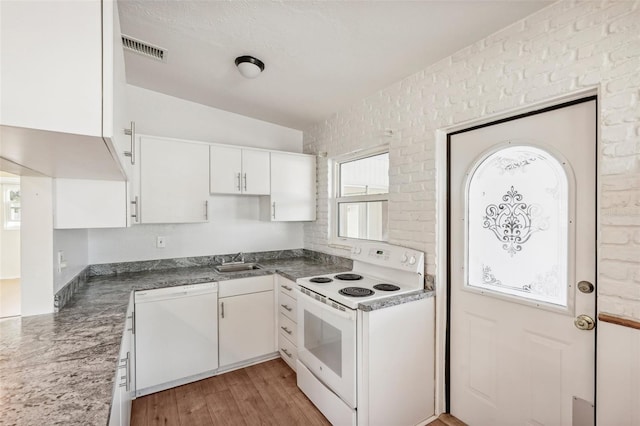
(160, 242)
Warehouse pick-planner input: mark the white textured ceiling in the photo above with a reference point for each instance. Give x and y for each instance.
(320, 56)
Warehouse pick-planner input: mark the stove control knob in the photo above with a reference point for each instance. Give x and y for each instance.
(412, 260)
(404, 258)
(357, 250)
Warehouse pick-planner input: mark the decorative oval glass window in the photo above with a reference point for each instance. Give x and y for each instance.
(518, 225)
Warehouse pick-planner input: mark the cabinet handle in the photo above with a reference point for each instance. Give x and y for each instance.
(274, 209)
(135, 214)
(287, 307)
(245, 181)
(222, 309)
(286, 352)
(239, 187)
(286, 330)
(206, 210)
(286, 287)
(132, 152)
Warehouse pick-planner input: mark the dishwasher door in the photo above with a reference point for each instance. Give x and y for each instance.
(176, 336)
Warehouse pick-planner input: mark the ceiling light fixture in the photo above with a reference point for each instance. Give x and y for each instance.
(249, 66)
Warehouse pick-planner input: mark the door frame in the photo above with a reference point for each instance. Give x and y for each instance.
(442, 158)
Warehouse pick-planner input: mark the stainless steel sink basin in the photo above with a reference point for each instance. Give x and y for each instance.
(236, 267)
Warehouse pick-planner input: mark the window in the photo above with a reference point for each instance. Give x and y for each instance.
(362, 197)
(11, 205)
(518, 225)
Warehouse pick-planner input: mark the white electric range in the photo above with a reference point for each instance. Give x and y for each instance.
(344, 352)
(379, 271)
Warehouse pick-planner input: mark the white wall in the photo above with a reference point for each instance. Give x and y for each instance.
(566, 47)
(36, 245)
(9, 241)
(234, 220)
(619, 375)
(157, 114)
(75, 245)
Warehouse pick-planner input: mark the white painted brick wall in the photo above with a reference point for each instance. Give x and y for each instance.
(567, 46)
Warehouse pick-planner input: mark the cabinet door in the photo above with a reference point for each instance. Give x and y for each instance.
(246, 327)
(293, 187)
(82, 203)
(256, 176)
(226, 170)
(51, 59)
(173, 181)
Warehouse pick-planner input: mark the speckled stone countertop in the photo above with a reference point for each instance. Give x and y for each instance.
(58, 369)
(395, 300)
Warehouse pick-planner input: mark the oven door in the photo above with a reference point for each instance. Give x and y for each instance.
(327, 345)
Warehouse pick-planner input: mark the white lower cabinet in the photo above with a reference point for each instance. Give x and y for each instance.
(287, 321)
(246, 320)
(124, 384)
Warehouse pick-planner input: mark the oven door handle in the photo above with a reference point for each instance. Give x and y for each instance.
(308, 300)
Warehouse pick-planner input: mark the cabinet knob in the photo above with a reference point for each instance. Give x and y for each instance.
(286, 330)
(287, 307)
(286, 352)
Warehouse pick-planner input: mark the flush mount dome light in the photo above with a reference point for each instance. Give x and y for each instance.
(249, 66)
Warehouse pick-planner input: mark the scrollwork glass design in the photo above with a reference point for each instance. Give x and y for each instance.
(518, 226)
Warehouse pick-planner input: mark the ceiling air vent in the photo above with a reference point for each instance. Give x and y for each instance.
(143, 48)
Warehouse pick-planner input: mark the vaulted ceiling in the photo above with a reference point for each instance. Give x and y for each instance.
(320, 56)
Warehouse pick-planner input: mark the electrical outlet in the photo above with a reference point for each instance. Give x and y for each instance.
(62, 262)
(160, 242)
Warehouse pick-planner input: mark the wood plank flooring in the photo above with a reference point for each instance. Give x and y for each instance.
(263, 394)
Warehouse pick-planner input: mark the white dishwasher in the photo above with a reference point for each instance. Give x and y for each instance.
(176, 336)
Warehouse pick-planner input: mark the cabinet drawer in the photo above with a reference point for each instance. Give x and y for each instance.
(288, 328)
(288, 287)
(245, 286)
(288, 351)
(288, 306)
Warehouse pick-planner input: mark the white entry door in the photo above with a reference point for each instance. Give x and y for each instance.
(522, 269)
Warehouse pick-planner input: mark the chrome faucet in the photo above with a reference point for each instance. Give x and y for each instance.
(234, 259)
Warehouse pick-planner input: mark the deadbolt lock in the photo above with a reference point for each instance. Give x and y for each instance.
(585, 322)
(585, 287)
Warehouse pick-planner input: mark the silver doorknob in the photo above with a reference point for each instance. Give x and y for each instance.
(585, 322)
(585, 287)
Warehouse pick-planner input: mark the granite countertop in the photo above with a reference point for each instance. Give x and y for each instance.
(59, 368)
(395, 300)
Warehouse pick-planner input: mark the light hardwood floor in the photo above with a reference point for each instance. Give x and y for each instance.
(263, 394)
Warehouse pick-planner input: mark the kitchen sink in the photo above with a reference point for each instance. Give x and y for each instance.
(236, 267)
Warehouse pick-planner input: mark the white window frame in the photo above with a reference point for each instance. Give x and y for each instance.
(334, 220)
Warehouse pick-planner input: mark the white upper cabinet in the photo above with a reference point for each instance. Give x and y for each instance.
(293, 187)
(173, 181)
(63, 85)
(255, 172)
(236, 170)
(82, 203)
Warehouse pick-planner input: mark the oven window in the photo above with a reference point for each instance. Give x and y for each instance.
(324, 341)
